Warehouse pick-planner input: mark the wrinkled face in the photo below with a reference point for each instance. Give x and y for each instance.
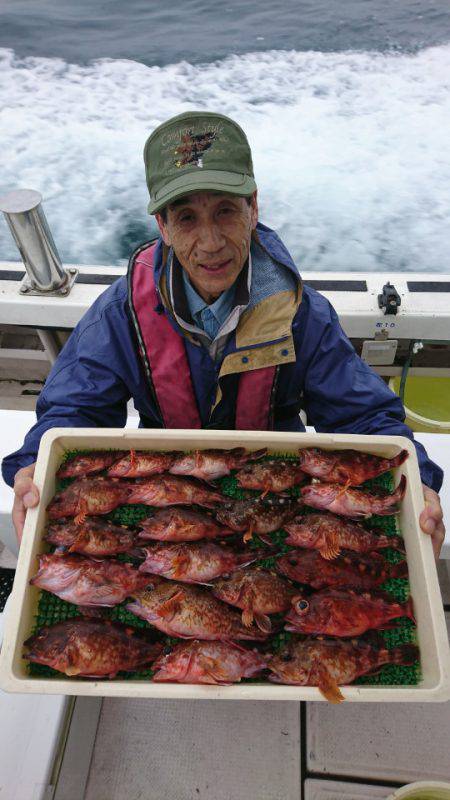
(210, 234)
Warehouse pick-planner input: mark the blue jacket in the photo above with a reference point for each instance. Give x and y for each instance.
(99, 370)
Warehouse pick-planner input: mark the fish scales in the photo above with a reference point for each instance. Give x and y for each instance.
(193, 562)
(349, 467)
(90, 648)
(167, 490)
(181, 525)
(88, 496)
(258, 592)
(359, 570)
(328, 663)
(256, 515)
(142, 464)
(208, 662)
(87, 581)
(344, 612)
(329, 533)
(93, 537)
(82, 464)
(274, 475)
(188, 612)
(210, 465)
(353, 503)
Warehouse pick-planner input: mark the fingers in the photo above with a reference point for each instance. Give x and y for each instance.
(26, 495)
(437, 539)
(431, 519)
(18, 518)
(26, 491)
(431, 515)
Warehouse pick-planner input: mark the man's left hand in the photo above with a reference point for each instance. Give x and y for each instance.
(431, 519)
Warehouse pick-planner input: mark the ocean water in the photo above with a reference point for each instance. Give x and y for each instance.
(347, 114)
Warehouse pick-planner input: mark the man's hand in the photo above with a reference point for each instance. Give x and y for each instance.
(26, 495)
(431, 519)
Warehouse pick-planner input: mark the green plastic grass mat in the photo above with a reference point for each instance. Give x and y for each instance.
(52, 610)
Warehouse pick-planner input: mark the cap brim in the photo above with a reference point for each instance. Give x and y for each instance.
(202, 181)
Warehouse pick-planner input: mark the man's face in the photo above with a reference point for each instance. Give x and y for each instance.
(210, 234)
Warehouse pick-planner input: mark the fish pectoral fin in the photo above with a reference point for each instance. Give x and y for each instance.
(171, 605)
(248, 534)
(267, 488)
(212, 668)
(329, 688)
(347, 485)
(263, 622)
(72, 671)
(179, 564)
(331, 548)
(82, 512)
(247, 617)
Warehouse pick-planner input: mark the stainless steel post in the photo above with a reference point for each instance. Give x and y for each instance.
(26, 219)
(51, 344)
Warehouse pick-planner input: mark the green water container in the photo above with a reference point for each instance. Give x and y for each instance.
(422, 790)
(427, 403)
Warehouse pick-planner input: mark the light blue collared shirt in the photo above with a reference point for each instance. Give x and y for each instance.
(209, 318)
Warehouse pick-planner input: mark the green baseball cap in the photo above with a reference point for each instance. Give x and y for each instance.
(197, 151)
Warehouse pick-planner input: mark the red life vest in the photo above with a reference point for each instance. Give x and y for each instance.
(166, 364)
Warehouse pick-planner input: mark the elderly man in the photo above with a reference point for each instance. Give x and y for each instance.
(213, 327)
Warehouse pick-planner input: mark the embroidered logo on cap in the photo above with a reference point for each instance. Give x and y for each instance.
(192, 148)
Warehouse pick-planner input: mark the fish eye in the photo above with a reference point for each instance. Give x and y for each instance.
(293, 562)
(302, 605)
(286, 657)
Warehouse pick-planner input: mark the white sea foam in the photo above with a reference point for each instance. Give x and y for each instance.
(350, 149)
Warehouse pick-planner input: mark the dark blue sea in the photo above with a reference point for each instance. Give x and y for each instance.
(346, 105)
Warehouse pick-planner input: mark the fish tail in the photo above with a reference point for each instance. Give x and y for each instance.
(404, 654)
(257, 454)
(397, 543)
(399, 459)
(265, 537)
(400, 490)
(244, 559)
(399, 570)
(408, 608)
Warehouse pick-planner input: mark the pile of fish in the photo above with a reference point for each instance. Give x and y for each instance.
(193, 571)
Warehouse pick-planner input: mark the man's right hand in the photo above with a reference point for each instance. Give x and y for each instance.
(26, 495)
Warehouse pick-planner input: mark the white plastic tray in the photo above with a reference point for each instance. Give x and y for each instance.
(432, 633)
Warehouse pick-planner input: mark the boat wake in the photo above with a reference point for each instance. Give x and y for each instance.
(350, 149)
